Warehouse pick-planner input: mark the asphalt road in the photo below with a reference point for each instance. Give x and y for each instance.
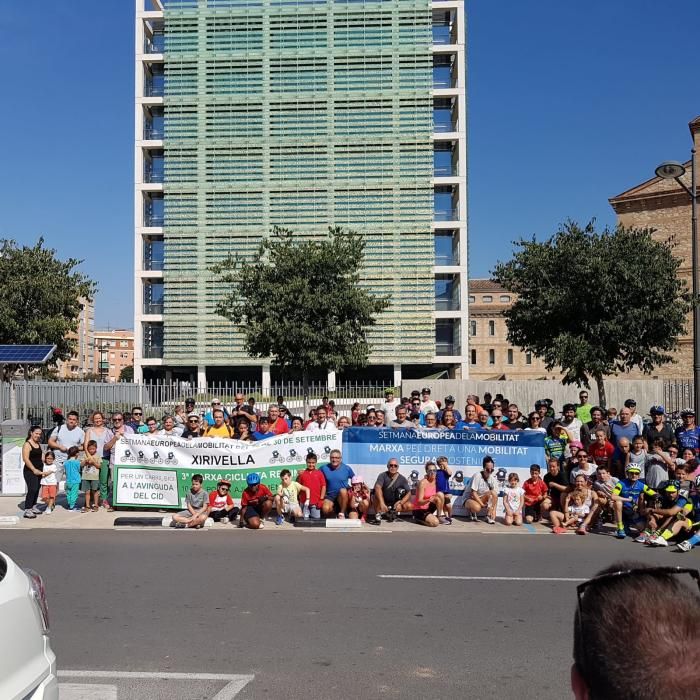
(309, 615)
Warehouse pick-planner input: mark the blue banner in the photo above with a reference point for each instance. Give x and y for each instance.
(510, 449)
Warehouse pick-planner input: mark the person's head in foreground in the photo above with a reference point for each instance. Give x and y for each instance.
(635, 630)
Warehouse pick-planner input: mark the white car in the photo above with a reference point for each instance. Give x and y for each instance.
(27, 662)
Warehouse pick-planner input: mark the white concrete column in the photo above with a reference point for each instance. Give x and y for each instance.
(331, 381)
(201, 376)
(397, 376)
(266, 382)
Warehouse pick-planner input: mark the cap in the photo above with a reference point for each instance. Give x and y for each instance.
(671, 487)
(189, 401)
(425, 390)
(193, 415)
(629, 403)
(449, 399)
(657, 410)
(634, 468)
(223, 482)
(539, 403)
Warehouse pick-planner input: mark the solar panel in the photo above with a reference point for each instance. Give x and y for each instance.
(29, 354)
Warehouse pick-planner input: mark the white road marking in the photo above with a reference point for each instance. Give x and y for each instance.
(485, 578)
(235, 682)
(86, 691)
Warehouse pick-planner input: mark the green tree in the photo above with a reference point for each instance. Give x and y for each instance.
(127, 374)
(40, 297)
(595, 303)
(299, 301)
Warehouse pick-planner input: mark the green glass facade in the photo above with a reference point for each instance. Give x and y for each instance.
(304, 115)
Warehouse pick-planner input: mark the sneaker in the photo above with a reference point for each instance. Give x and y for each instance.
(390, 517)
(224, 520)
(581, 531)
(341, 516)
(278, 520)
(374, 521)
(48, 511)
(490, 520)
(621, 534)
(657, 541)
(37, 511)
(643, 537)
(262, 526)
(448, 520)
(473, 517)
(684, 546)
(29, 514)
(179, 526)
(443, 520)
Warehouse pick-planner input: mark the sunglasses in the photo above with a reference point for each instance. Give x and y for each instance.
(224, 488)
(137, 414)
(393, 466)
(117, 420)
(193, 420)
(431, 471)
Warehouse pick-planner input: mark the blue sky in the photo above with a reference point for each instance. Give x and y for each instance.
(569, 103)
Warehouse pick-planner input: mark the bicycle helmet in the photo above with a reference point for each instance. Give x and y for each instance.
(356, 480)
(657, 410)
(252, 479)
(687, 412)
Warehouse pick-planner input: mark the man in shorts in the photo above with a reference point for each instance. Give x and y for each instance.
(197, 506)
(338, 477)
(221, 506)
(256, 503)
(391, 494)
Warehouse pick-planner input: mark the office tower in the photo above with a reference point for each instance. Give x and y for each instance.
(306, 115)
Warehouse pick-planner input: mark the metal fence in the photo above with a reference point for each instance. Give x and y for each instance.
(161, 398)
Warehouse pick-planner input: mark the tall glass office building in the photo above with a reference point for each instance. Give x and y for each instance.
(304, 114)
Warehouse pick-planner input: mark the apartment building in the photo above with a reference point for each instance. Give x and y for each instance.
(113, 351)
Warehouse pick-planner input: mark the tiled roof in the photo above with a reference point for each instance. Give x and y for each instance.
(484, 285)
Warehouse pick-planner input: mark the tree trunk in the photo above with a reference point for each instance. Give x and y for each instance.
(602, 401)
(305, 391)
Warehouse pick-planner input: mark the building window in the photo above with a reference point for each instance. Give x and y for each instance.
(528, 358)
(504, 298)
(472, 327)
(492, 357)
(492, 328)
(510, 356)
(473, 353)
(112, 343)
(472, 298)
(112, 355)
(487, 299)
(123, 343)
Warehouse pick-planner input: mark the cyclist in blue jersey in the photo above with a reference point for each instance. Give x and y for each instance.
(688, 434)
(687, 522)
(628, 501)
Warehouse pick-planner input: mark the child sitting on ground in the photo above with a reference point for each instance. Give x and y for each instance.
(71, 468)
(575, 515)
(358, 498)
(442, 479)
(91, 477)
(287, 498)
(49, 483)
(197, 506)
(513, 498)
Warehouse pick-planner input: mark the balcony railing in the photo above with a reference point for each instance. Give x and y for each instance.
(444, 259)
(444, 170)
(446, 304)
(440, 81)
(152, 263)
(444, 126)
(442, 34)
(443, 349)
(152, 307)
(154, 44)
(153, 174)
(152, 352)
(154, 89)
(153, 219)
(446, 214)
(153, 133)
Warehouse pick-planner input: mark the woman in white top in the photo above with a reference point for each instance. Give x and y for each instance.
(534, 424)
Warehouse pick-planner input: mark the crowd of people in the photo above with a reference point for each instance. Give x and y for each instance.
(603, 466)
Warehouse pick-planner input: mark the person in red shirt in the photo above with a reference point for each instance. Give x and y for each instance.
(497, 418)
(314, 480)
(256, 503)
(535, 493)
(601, 450)
(278, 425)
(221, 505)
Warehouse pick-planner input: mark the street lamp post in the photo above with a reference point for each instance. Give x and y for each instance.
(672, 170)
